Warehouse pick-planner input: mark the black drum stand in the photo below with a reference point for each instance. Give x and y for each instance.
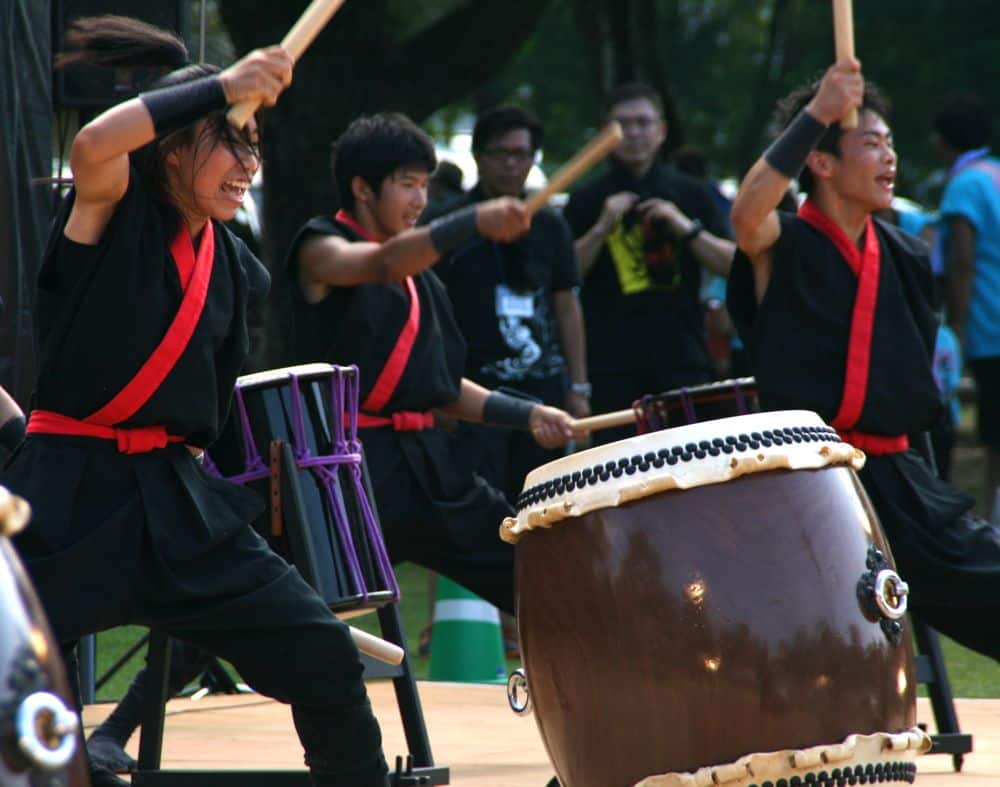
(415, 768)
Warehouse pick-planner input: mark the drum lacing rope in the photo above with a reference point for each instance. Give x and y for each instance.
(353, 448)
(741, 405)
(320, 467)
(647, 415)
(687, 405)
(255, 469)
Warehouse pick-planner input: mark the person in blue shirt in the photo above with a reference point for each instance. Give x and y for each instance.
(970, 242)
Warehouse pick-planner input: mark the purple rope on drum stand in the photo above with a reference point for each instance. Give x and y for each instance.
(646, 417)
(319, 465)
(741, 405)
(337, 412)
(254, 468)
(371, 523)
(687, 406)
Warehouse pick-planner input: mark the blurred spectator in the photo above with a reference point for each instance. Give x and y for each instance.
(970, 242)
(444, 186)
(644, 232)
(947, 373)
(515, 303)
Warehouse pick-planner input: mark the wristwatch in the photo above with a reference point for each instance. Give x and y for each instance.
(584, 389)
(691, 234)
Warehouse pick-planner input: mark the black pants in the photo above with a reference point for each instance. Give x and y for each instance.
(153, 540)
(436, 512)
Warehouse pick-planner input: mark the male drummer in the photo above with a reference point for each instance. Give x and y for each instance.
(358, 291)
(835, 310)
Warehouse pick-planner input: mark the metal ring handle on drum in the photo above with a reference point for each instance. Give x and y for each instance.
(42, 718)
(891, 594)
(518, 693)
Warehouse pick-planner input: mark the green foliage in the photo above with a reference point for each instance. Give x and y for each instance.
(726, 62)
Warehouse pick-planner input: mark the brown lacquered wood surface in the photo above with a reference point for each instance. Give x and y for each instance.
(694, 627)
(21, 623)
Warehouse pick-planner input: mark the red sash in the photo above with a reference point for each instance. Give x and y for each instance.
(195, 274)
(388, 379)
(866, 266)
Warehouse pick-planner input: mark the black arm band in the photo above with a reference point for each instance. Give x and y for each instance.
(788, 153)
(501, 409)
(12, 433)
(172, 108)
(451, 231)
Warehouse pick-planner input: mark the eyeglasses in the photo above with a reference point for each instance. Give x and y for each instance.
(513, 155)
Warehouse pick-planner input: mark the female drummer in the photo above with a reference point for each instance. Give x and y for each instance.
(141, 309)
(358, 291)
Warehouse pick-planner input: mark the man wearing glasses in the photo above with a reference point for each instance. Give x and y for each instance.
(515, 303)
(643, 235)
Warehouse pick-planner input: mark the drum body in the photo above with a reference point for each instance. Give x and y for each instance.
(722, 399)
(39, 739)
(689, 627)
(290, 437)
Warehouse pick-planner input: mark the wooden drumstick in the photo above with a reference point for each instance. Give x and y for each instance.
(597, 149)
(376, 647)
(295, 42)
(592, 423)
(843, 37)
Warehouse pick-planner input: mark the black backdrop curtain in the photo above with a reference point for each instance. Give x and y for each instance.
(25, 154)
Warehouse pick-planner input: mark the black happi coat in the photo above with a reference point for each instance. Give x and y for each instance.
(797, 339)
(360, 325)
(101, 312)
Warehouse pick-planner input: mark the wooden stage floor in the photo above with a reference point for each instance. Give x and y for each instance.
(471, 730)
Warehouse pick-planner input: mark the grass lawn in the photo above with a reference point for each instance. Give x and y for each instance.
(971, 675)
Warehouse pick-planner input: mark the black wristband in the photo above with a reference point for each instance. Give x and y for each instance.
(502, 409)
(174, 107)
(696, 229)
(788, 153)
(12, 432)
(451, 231)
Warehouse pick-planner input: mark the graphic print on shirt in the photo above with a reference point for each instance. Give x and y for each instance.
(526, 327)
(644, 255)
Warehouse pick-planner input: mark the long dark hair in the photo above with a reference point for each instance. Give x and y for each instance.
(120, 41)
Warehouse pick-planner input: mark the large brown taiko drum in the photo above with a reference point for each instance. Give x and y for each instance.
(39, 736)
(714, 604)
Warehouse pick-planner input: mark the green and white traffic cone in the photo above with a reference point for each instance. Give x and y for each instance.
(466, 642)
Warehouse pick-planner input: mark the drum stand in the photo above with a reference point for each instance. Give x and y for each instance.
(931, 670)
(417, 768)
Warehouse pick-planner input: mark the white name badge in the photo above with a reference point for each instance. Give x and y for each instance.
(512, 304)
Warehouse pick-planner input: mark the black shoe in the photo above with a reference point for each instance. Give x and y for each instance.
(107, 753)
(100, 777)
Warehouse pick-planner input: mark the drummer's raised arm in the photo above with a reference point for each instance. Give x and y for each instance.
(754, 218)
